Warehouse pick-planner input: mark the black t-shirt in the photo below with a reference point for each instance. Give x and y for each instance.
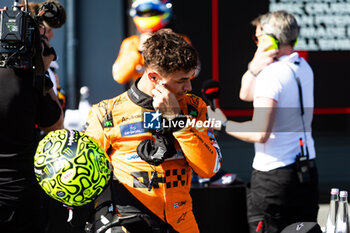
(22, 107)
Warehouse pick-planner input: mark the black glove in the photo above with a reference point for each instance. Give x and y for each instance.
(154, 152)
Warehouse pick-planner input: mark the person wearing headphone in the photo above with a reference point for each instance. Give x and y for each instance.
(149, 16)
(47, 33)
(284, 182)
(27, 100)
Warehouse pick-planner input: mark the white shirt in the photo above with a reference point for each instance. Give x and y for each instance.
(277, 82)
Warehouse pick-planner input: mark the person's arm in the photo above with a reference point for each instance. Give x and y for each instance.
(261, 59)
(256, 130)
(259, 128)
(94, 124)
(125, 66)
(199, 145)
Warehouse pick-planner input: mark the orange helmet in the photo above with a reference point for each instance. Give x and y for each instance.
(159, 14)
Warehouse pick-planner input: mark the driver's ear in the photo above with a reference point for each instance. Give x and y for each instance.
(153, 77)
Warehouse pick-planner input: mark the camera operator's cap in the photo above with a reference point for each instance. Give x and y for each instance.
(52, 14)
(160, 14)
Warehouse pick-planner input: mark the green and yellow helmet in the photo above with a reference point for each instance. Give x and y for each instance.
(71, 167)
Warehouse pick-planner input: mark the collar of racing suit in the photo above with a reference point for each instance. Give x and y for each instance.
(140, 98)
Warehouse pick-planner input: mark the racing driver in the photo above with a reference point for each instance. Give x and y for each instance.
(155, 135)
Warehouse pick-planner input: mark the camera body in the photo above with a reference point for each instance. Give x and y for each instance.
(19, 32)
(16, 39)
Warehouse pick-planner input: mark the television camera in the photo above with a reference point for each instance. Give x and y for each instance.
(19, 30)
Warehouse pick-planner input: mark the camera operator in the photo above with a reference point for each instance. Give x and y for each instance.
(26, 101)
(47, 33)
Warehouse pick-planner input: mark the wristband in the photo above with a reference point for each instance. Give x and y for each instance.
(252, 72)
(223, 126)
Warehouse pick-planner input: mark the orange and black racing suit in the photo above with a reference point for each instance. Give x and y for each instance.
(118, 126)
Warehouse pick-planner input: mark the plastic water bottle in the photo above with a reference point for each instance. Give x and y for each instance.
(332, 213)
(84, 104)
(76, 118)
(342, 221)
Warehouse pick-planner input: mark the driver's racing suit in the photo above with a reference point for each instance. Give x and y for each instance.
(118, 126)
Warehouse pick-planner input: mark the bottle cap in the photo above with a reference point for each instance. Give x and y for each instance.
(335, 191)
(343, 193)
